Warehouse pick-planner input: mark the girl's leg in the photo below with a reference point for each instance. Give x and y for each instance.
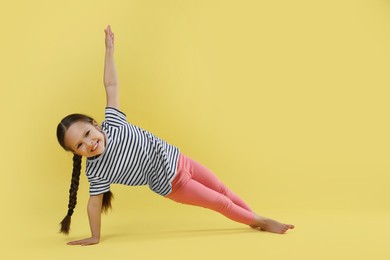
(204, 176)
(195, 193)
(195, 185)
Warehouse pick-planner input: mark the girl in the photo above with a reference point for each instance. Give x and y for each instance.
(119, 152)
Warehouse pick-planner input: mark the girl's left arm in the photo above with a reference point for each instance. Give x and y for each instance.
(111, 83)
(94, 216)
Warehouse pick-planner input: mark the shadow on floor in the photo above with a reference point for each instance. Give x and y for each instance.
(175, 234)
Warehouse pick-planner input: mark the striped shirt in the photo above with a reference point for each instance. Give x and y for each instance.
(132, 156)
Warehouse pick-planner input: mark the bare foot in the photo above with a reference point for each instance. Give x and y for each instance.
(270, 225)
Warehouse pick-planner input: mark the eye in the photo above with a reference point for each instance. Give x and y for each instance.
(78, 146)
(87, 133)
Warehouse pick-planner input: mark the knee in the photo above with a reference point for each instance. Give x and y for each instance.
(223, 204)
(223, 190)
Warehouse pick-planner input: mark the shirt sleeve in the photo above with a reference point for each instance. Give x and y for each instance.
(98, 186)
(114, 117)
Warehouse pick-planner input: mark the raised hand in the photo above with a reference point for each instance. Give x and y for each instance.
(109, 38)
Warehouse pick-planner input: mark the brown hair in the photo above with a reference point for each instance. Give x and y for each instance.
(62, 127)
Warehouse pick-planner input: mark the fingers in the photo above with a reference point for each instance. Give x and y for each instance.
(84, 242)
(109, 41)
(109, 32)
(79, 242)
(88, 244)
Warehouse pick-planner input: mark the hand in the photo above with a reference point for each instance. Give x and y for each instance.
(85, 242)
(109, 38)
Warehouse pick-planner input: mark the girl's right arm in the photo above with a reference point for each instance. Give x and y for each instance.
(111, 83)
(94, 215)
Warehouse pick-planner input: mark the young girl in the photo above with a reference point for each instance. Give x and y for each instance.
(119, 152)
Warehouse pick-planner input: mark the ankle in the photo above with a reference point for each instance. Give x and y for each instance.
(258, 221)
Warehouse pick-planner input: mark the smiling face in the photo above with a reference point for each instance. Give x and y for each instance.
(85, 139)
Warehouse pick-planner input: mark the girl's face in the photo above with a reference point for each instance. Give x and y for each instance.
(85, 139)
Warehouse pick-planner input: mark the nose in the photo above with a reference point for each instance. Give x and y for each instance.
(89, 142)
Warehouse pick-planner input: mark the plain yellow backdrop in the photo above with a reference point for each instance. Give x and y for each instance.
(286, 101)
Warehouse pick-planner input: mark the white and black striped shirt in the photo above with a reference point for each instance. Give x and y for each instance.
(132, 156)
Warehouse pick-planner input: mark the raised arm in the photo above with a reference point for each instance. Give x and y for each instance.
(94, 215)
(111, 83)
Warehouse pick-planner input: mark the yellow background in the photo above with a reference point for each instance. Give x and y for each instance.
(286, 101)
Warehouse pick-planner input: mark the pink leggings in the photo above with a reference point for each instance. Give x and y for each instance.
(195, 185)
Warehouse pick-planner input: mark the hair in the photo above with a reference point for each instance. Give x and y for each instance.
(62, 127)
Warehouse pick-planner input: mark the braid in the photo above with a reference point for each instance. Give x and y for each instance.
(106, 205)
(65, 223)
